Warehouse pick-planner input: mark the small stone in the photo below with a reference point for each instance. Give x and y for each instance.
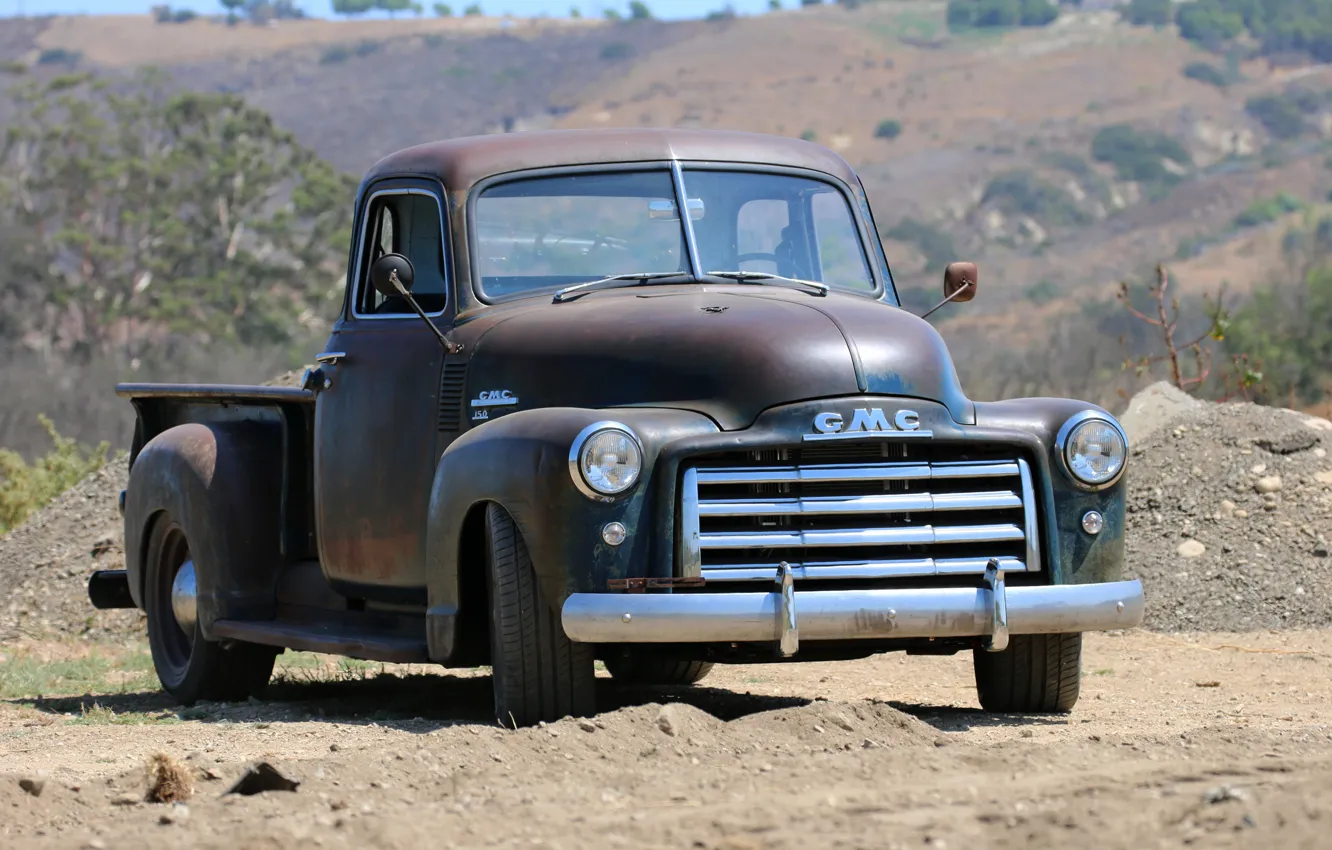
(1027, 733)
(587, 725)
(334, 748)
(1190, 549)
(840, 721)
(175, 813)
(34, 784)
(1268, 484)
(1324, 477)
(818, 728)
(1320, 548)
(127, 800)
(1241, 514)
(668, 720)
(1227, 507)
(1320, 452)
(1197, 472)
(1258, 468)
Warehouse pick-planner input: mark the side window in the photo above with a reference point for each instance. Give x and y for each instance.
(841, 257)
(759, 231)
(407, 224)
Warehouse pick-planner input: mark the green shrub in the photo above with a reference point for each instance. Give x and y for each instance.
(1021, 191)
(1042, 292)
(616, 50)
(25, 488)
(336, 53)
(443, 10)
(889, 128)
(1205, 72)
(1208, 22)
(962, 14)
(1281, 116)
(1140, 156)
(1155, 13)
(809, 135)
(1268, 210)
(934, 243)
(1284, 329)
(59, 56)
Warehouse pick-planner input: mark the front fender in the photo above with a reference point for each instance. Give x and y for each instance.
(521, 462)
(1081, 558)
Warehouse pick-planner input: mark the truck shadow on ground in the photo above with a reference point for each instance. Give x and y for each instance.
(422, 702)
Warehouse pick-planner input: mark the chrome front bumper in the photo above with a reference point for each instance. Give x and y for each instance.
(781, 616)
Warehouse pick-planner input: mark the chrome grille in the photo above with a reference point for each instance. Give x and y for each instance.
(857, 512)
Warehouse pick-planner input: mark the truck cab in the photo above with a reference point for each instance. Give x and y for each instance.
(644, 396)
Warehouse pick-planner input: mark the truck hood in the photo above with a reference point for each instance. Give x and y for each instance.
(726, 352)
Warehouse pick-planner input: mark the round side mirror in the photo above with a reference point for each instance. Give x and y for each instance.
(392, 275)
(960, 279)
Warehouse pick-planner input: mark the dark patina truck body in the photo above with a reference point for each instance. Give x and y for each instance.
(732, 445)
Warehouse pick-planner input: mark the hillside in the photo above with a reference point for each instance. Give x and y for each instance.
(986, 146)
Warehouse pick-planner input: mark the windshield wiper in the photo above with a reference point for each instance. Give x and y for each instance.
(635, 279)
(764, 277)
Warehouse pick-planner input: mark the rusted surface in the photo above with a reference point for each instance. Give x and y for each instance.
(960, 282)
(460, 163)
(215, 392)
(374, 458)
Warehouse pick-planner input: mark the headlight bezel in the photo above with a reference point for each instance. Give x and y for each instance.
(576, 466)
(1062, 439)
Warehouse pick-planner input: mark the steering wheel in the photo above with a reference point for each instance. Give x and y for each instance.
(756, 255)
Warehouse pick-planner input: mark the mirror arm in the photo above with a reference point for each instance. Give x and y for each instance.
(449, 347)
(956, 293)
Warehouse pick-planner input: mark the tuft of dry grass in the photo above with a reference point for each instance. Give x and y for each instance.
(169, 781)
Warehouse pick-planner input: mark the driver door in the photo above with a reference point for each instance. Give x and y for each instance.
(375, 423)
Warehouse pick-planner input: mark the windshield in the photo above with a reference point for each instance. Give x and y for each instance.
(550, 232)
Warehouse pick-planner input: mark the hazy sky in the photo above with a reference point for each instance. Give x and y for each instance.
(323, 8)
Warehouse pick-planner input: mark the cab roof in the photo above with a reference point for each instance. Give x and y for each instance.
(461, 163)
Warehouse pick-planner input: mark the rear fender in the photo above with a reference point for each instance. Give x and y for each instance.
(223, 483)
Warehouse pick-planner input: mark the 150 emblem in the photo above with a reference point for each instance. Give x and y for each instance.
(866, 422)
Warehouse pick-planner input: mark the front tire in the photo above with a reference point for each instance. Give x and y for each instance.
(538, 673)
(633, 668)
(1035, 674)
(190, 667)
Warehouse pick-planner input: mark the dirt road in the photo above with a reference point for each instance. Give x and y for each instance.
(1210, 740)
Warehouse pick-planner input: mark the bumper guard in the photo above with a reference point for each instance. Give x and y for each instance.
(992, 612)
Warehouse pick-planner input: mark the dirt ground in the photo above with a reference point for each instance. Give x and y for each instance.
(1208, 740)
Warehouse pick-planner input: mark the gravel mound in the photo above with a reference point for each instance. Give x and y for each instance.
(1229, 516)
(45, 563)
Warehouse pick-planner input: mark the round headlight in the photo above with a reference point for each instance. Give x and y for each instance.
(608, 457)
(1094, 448)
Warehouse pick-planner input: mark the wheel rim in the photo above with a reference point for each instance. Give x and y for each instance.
(175, 601)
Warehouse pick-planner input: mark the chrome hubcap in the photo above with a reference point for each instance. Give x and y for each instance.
(184, 598)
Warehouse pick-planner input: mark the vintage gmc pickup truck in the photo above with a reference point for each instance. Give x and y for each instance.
(557, 420)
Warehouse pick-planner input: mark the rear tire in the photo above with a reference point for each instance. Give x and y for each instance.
(538, 673)
(632, 668)
(190, 667)
(1035, 674)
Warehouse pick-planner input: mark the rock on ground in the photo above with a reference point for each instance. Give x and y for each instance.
(1153, 407)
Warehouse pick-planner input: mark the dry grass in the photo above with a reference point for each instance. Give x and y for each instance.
(132, 40)
(169, 781)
